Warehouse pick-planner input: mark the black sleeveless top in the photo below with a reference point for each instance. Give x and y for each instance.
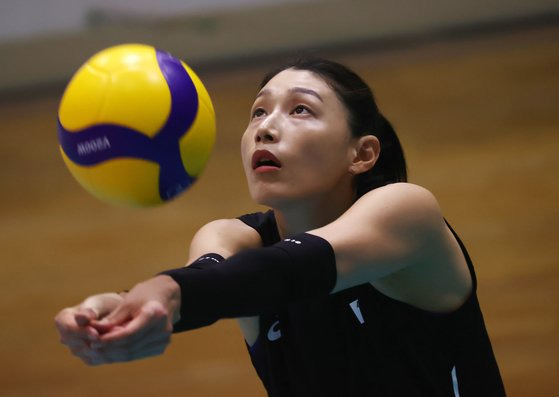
(359, 342)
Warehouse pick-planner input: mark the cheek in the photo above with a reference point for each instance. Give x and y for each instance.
(329, 150)
(324, 159)
(245, 149)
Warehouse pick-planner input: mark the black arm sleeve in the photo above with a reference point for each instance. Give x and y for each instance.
(255, 281)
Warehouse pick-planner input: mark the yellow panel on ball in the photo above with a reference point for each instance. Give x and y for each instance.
(83, 98)
(127, 182)
(196, 146)
(133, 70)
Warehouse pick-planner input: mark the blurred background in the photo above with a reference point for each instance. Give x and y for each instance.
(471, 87)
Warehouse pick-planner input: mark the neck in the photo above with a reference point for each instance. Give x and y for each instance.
(306, 215)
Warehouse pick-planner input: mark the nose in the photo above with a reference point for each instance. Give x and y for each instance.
(264, 137)
(267, 130)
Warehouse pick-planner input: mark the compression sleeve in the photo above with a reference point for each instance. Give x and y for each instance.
(255, 281)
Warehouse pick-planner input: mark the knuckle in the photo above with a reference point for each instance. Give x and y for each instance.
(155, 310)
(88, 311)
(60, 323)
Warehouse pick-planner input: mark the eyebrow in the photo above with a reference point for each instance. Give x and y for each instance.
(294, 90)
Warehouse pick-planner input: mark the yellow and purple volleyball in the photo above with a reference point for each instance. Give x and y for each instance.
(136, 126)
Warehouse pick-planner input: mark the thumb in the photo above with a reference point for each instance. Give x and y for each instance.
(84, 315)
(121, 314)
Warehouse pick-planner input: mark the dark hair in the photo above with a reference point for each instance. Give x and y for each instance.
(364, 119)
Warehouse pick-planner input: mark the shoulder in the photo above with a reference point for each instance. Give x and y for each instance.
(400, 208)
(407, 196)
(227, 225)
(225, 237)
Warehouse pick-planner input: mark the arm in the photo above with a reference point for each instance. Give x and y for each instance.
(225, 237)
(122, 327)
(394, 236)
(393, 233)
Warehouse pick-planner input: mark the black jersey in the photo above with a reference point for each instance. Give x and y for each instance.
(359, 342)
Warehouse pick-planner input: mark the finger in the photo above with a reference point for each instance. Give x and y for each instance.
(74, 343)
(84, 315)
(89, 356)
(69, 328)
(152, 318)
(102, 304)
(144, 350)
(122, 314)
(84, 352)
(64, 320)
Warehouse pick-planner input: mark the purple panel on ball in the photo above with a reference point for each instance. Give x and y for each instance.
(184, 98)
(173, 178)
(102, 142)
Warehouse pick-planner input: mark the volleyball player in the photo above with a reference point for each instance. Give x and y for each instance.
(353, 284)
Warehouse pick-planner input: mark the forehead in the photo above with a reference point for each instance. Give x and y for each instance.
(290, 78)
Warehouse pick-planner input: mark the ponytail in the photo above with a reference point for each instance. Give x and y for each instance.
(391, 164)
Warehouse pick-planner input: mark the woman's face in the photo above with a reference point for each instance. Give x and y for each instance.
(297, 144)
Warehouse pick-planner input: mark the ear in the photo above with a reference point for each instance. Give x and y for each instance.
(365, 154)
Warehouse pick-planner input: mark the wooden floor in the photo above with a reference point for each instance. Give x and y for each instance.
(479, 119)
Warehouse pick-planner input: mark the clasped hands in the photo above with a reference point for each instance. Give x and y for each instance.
(111, 327)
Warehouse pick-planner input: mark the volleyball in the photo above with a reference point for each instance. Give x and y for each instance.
(136, 125)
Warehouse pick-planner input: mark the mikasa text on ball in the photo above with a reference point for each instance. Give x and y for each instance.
(136, 126)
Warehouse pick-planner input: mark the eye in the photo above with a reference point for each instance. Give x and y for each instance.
(258, 112)
(301, 109)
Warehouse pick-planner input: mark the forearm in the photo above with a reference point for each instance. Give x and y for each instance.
(254, 281)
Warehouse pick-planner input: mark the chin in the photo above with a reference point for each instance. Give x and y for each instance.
(279, 200)
(267, 200)
(268, 197)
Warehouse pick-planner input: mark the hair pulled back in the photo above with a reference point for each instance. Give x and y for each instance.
(364, 119)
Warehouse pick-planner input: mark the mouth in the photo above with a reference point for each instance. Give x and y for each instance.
(264, 161)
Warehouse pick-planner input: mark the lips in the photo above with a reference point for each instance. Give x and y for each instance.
(263, 159)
